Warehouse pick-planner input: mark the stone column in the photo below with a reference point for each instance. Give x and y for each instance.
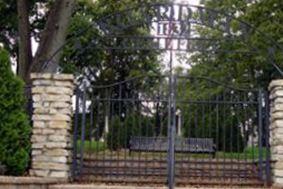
(276, 131)
(51, 136)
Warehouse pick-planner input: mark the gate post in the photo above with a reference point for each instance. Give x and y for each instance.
(51, 133)
(276, 131)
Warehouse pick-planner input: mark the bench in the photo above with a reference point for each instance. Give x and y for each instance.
(182, 145)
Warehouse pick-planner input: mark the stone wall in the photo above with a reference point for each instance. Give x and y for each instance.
(276, 130)
(26, 182)
(51, 136)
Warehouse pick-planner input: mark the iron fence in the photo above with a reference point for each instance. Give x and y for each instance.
(192, 131)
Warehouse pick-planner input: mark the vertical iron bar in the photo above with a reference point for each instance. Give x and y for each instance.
(253, 133)
(172, 128)
(195, 135)
(96, 126)
(246, 134)
(190, 122)
(260, 131)
(91, 127)
(133, 132)
(202, 135)
(127, 116)
(75, 136)
(91, 149)
(140, 135)
(111, 130)
(29, 104)
(238, 133)
(208, 126)
(83, 128)
(119, 132)
(232, 110)
(224, 135)
(217, 135)
(170, 178)
(267, 142)
(171, 105)
(146, 124)
(181, 121)
(160, 124)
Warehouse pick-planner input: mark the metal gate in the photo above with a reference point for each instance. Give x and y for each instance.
(169, 129)
(173, 130)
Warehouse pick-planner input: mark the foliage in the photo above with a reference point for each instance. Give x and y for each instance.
(211, 112)
(120, 131)
(216, 122)
(240, 59)
(89, 49)
(14, 126)
(245, 53)
(8, 29)
(9, 22)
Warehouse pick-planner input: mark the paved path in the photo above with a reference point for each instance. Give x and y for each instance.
(92, 186)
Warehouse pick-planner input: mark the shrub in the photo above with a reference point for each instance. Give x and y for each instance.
(120, 131)
(14, 125)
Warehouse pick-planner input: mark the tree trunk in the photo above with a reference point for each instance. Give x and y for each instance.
(25, 54)
(53, 37)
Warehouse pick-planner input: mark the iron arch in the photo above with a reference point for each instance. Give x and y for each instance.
(169, 13)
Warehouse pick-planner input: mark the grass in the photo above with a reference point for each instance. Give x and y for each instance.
(92, 146)
(96, 147)
(248, 153)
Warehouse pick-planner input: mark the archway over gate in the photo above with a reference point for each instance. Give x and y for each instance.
(128, 122)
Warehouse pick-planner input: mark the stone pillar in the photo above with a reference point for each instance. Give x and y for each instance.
(51, 135)
(276, 131)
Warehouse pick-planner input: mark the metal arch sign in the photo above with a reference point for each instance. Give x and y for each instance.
(167, 23)
(181, 16)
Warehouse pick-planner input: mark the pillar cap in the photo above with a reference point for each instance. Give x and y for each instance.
(275, 83)
(48, 76)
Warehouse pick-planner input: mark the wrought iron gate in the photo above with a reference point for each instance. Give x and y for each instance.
(174, 130)
(169, 129)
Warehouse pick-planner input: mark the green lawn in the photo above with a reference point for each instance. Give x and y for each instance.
(248, 153)
(92, 146)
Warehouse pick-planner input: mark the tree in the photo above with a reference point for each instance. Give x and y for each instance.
(53, 37)
(252, 67)
(92, 52)
(46, 21)
(92, 55)
(8, 28)
(89, 52)
(25, 54)
(239, 59)
(14, 125)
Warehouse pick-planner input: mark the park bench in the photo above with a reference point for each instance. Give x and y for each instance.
(182, 145)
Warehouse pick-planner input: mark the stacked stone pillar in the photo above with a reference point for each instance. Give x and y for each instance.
(51, 135)
(276, 130)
